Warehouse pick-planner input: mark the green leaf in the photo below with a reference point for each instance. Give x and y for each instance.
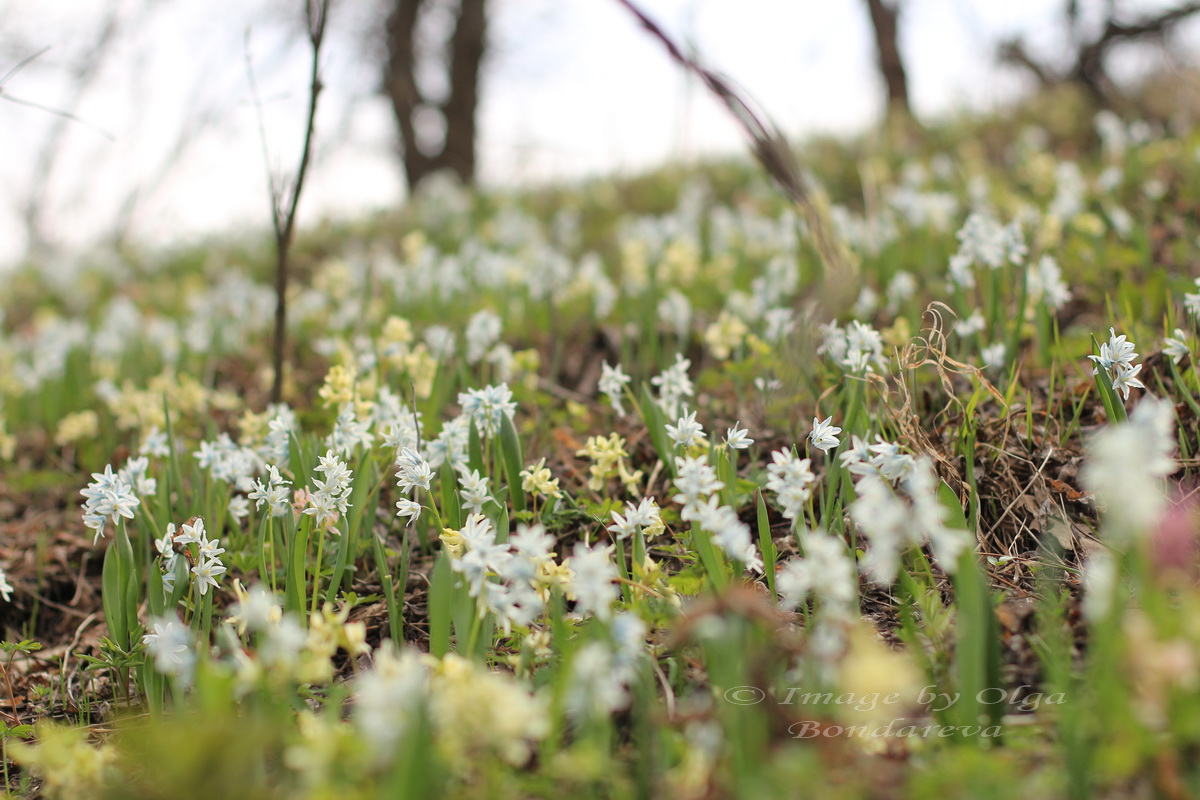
(441, 597)
(510, 448)
(766, 544)
(977, 648)
(655, 423)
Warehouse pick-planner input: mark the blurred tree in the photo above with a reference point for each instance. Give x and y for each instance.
(885, 19)
(434, 96)
(1087, 62)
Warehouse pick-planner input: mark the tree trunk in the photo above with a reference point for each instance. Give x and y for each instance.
(464, 55)
(884, 23)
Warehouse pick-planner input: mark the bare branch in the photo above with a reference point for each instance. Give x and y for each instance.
(1013, 51)
(284, 212)
(21, 65)
(1089, 69)
(58, 113)
(772, 151)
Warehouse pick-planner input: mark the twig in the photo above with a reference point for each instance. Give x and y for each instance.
(284, 204)
(772, 151)
(22, 64)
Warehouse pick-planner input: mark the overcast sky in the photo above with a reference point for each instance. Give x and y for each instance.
(573, 87)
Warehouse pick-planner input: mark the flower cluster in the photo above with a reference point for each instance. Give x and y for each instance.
(893, 520)
(826, 571)
(697, 484)
(274, 493)
(1116, 359)
(525, 566)
(643, 517)
(487, 407)
(608, 454)
(204, 558)
(1127, 463)
(612, 383)
(109, 496)
(857, 348)
(791, 479)
(674, 385)
(332, 496)
(983, 240)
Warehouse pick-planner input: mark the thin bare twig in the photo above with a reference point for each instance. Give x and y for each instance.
(22, 64)
(284, 204)
(772, 151)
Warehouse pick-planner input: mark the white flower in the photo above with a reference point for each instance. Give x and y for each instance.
(239, 508)
(645, 515)
(474, 491)
(696, 480)
(824, 434)
(595, 688)
(155, 444)
(210, 549)
(1125, 466)
(1176, 347)
(169, 642)
(593, 581)
(349, 432)
(532, 542)
(487, 407)
(387, 697)
(1125, 378)
(408, 508)
(826, 572)
(736, 438)
(441, 341)
(791, 480)
(206, 573)
(6, 588)
(483, 330)
(729, 533)
(857, 458)
(971, 325)
(414, 471)
(887, 458)
(108, 496)
(612, 383)
(257, 610)
(1116, 352)
(674, 385)
(780, 323)
(686, 432)
(1045, 282)
(884, 518)
(993, 355)
(191, 532)
(1192, 301)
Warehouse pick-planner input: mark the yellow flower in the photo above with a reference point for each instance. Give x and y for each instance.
(680, 263)
(75, 427)
(724, 335)
(339, 387)
(452, 540)
(609, 456)
(536, 479)
(551, 575)
(252, 427)
(421, 367)
(478, 713)
(68, 764)
(397, 330)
